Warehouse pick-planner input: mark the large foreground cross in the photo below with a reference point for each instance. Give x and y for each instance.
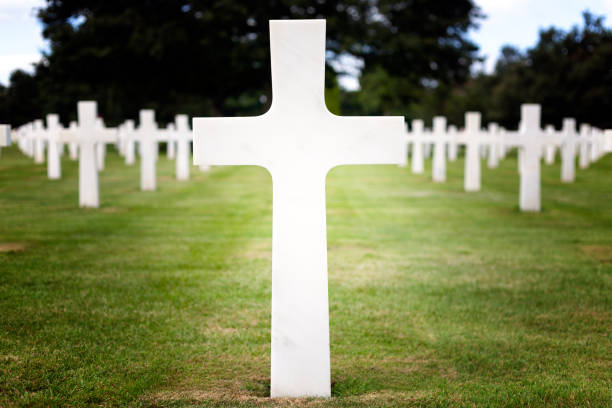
(298, 140)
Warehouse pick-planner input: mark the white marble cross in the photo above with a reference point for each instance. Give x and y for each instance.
(418, 149)
(38, 136)
(550, 148)
(5, 135)
(452, 143)
(494, 142)
(530, 141)
(87, 134)
(101, 146)
(594, 145)
(583, 140)
(568, 151)
(73, 147)
(472, 138)
(607, 144)
(298, 140)
(183, 139)
(54, 163)
(171, 143)
(129, 143)
(440, 140)
(146, 135)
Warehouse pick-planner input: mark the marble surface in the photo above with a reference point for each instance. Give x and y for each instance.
(5, 135)
(440, 141)
(129, 151)
(38, 137)
(472, 137)
(146, 135)
(298, 141)
(417, 159)
(89, 188)
(183, 138)
(493, 146)
(530, 171)
(54, 163)
(583, 142)
(568, 151)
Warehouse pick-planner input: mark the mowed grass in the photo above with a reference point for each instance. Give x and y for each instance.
(437, 297)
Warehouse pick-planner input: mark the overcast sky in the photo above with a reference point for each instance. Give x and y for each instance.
(515, 22)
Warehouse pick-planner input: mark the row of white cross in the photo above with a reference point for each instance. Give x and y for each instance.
(90, 136)
(533, 143)
(298, 140)
(87, 139)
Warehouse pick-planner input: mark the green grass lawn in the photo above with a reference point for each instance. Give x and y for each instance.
(437, 297)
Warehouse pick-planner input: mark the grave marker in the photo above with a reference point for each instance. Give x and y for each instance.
(183, 146)
(73, 147)
(472, 136)
(54, 164)
(130, 144)
(550, 147)
(418, 154)
(583, 140)
(452, 143)
(5, 135)
(298, 140)
(38, 136)
(493, 157)
(439, 152)
(87, 134)
(100, 148)
(568, 151)
(147, 141)
(530, 141)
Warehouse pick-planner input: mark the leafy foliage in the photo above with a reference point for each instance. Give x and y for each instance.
(569, 73)
(211, 57)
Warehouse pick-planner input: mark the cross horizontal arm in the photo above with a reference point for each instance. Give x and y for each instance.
(364, 140)
(231, 141)
(518, 139)
(68, 136)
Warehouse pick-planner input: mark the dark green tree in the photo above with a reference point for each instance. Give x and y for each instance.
(211, 57)
(568, 72)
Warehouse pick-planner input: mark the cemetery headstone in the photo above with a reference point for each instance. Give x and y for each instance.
(298, 140)
(452, 143)
(5, 135)
(418, 154)
(549, 148)
(472, 138)
(87, 134)
(147, 141)
(585, 132)
(568, 151)
(183, 146)
(38, 136)
(439, 152)
(493, 157)
(100, 148)
(54, 164)
(73, 147)
(130, 148)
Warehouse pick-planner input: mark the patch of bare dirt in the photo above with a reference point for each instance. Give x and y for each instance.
(113, 210)
(13, 246)
(603, 253)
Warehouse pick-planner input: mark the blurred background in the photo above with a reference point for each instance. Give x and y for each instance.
(416, 58)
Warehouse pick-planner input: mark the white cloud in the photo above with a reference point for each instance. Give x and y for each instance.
(9, 63)
(11, 10)
(502, 5)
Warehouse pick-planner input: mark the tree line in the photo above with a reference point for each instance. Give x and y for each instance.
(211, 57)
